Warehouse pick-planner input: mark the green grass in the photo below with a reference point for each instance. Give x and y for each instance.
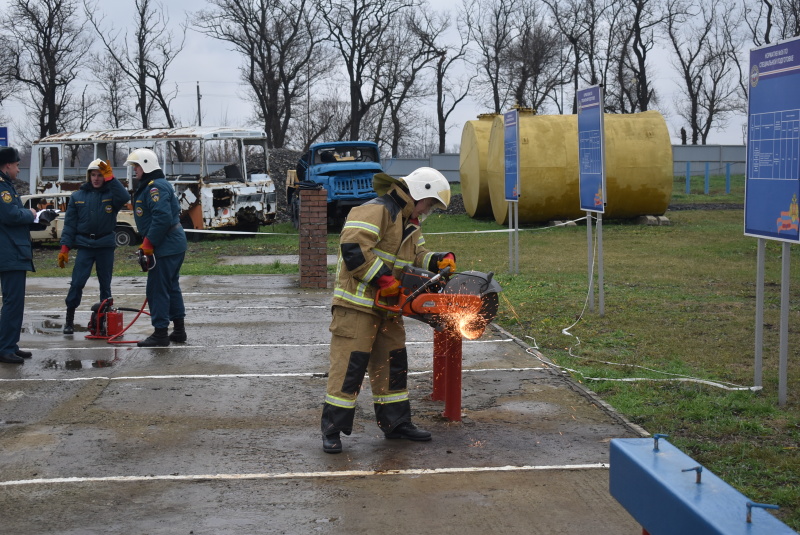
(679, 299)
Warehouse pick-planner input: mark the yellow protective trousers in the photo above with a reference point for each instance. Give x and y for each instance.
(362, 342)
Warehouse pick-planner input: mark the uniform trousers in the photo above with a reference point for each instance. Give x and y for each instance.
(13, 287)
(102, 258)
(164, 296)
(362, 342)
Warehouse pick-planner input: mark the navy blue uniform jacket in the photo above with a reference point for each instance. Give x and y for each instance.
(157, 213)
(15, 229)
(93, 211)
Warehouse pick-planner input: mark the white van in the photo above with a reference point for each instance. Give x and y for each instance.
(220, 174)
(125, 232)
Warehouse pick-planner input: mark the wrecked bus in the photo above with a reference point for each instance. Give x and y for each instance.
(220, 174)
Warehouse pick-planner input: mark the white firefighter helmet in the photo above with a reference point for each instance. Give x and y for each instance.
(145, 158)
(93, 165)
(425, 183)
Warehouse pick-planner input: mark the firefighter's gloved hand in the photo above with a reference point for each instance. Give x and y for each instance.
(63, 257)
(146, 247)
(106, 170)
(448, 261)
(389, 286)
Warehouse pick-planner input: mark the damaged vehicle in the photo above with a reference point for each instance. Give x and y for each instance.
(125, 233)
(343, 168)
(220, 174)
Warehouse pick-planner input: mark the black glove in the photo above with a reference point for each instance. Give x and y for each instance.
(46, 216)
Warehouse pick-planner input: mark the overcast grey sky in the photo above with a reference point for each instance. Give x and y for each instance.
(210, 63)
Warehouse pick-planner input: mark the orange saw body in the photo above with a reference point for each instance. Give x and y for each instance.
(467, 301)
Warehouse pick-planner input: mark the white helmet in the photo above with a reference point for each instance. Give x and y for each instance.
(93, 165)
(426, 182)
(146, 158)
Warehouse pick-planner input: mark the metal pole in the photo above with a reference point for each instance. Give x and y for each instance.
(727, 178)
(708, 179)
(688, 176)
(600, 289)
(516, 237)
(759, 311)
(590, 258)
(783, 362)
(199, 117)
(510, 238)
(452, 401)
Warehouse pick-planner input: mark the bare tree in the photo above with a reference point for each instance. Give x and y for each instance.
(78, 116)
(144, 57)
(356, 29)
(490, 24)
(7, 79)
(772, 20)
(703, 60)
(47, 47)
(281, 41)
(640, 24)
(532, 62)
(449, 92)
(115, 96)
(410, 49)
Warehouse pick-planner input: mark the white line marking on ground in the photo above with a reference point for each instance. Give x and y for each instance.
(229, 376)
(302, 475)
(172, 348)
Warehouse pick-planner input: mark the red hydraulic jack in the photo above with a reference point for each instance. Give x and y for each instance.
(447, 372)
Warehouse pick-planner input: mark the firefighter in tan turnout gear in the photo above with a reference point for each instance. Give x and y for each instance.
(379, 238)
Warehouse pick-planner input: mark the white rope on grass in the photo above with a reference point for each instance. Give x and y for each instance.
(725, 385)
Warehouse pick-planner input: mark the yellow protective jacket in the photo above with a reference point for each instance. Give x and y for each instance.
(377, 239)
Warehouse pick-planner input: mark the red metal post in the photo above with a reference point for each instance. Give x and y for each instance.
(447, 372)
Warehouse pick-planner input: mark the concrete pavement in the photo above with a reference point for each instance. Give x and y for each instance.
(221, 434)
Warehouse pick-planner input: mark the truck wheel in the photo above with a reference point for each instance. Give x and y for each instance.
(294, 211)
(124, 236)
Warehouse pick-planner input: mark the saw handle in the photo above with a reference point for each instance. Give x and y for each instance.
(398, 308)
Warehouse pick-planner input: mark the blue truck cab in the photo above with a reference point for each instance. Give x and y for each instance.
(344, 168)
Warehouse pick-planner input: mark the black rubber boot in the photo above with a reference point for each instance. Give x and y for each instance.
(409, 431)
(178, 333)
(159, 338)
(332, 443)
(69, 322)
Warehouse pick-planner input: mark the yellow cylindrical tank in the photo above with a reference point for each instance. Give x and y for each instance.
(638, 167)
(472, 166)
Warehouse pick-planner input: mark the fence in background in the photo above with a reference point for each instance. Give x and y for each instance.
(688, 160)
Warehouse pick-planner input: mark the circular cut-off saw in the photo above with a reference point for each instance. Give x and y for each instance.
(466, 301)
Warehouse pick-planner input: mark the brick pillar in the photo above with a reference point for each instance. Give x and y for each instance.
(313, 238)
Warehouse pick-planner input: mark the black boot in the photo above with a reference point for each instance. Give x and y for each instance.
(159, 338)
(332, 443)
(409, 431)
(178, 333)
(69, 322)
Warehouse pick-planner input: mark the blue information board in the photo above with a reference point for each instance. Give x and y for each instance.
(511, 146)
(3, 136)
(591, 150)
(772, 184)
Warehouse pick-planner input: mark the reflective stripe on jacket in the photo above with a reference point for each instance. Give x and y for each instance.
(377, 239)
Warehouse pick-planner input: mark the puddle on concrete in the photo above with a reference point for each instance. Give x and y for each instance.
(49, 326)
(75, 364)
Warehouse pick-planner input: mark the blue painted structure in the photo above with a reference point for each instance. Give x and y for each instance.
(660, 489)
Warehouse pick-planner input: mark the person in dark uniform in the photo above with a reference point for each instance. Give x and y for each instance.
(16, 223)
(157, 214)
(89, 226)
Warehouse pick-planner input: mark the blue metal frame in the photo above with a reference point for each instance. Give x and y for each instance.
(653, 480)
